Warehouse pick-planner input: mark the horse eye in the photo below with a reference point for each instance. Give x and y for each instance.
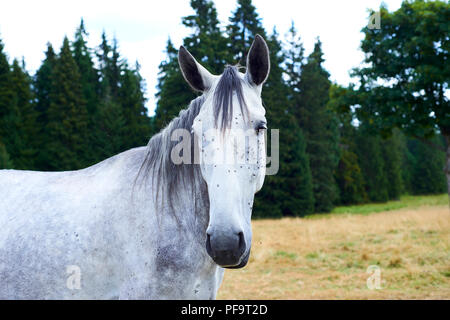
(261, 126)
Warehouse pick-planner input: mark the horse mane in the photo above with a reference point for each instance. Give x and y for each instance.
(168, 177)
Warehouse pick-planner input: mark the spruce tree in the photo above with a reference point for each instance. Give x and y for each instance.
(89, 86)
(173, 93)
(26, 129)
(319, 125)
(42, 87)
(109, 119)
(132, 99)
(294, 59)
(17, 116)
(207, 44)
(9, 118)
(88, 74)
(244, 25)
(122, 121)
(67, 116)
(110, 66)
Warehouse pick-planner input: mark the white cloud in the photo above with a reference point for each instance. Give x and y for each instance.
(142, 28)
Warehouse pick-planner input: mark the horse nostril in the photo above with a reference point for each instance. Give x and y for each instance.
(241, 242)
(208, 245)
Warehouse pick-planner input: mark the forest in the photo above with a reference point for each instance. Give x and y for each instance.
(339, 145)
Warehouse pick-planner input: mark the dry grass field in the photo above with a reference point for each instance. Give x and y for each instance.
(327, 256)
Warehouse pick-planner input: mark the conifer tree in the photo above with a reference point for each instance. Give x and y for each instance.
(294, 179)
(17, 116)
(67, 116)
(207, 44)
(132, 99)
(173, 94)
(42, 87)
(43, 84)
(89, 77)
(109, 119)
(294, 59)
(319, 125)
(8, 109)
(26, 128)
(244, 25)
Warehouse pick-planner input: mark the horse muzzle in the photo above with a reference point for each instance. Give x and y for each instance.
(227, 249)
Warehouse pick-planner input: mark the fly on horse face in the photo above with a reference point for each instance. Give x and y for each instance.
(146, 223)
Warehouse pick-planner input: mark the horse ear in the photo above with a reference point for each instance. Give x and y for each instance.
(194, 73)
(258, 61)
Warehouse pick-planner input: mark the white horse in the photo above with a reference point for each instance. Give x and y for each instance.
(139, 225)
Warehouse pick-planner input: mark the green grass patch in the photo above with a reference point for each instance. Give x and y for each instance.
(312, 255)
(406, 201)
(284, 254)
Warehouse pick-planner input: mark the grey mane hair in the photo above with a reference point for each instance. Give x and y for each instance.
(168, 177)
(229, 83)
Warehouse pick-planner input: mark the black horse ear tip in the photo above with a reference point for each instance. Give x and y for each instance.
(258, 37)
(183, 51)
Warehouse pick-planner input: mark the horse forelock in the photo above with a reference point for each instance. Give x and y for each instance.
(229, 83)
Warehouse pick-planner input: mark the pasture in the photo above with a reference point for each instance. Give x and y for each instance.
(327, 256)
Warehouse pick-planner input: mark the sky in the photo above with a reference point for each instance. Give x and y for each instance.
(143, 27)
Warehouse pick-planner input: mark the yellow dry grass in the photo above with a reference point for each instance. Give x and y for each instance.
(327, 258)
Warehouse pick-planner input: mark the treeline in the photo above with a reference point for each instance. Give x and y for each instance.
(80, 107)
(84, 105)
